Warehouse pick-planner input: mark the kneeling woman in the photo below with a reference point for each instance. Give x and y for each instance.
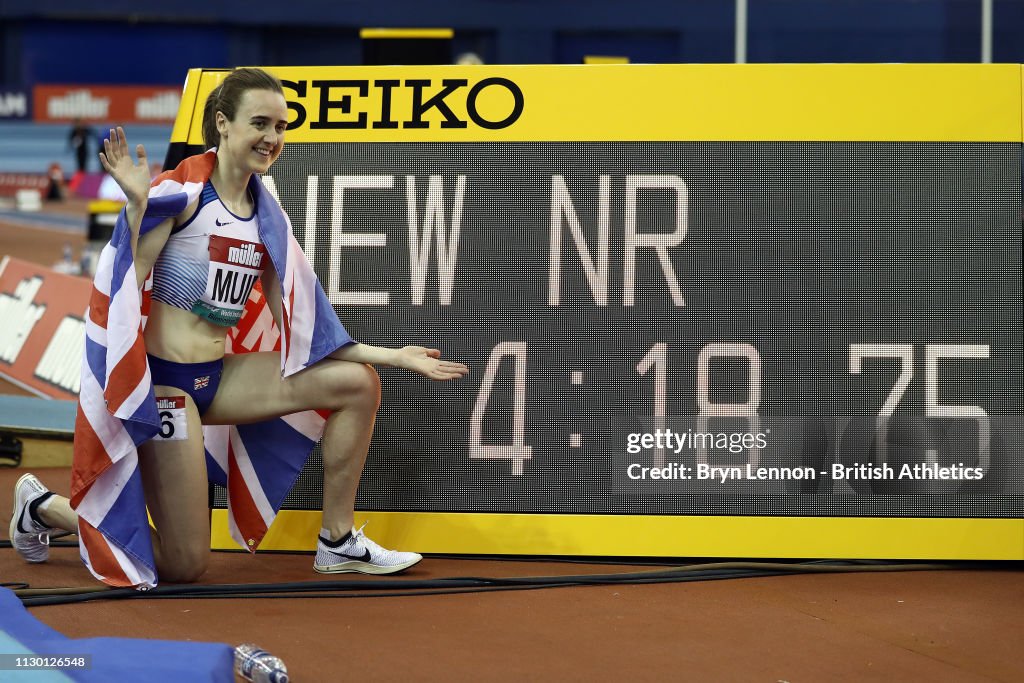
(152, 385)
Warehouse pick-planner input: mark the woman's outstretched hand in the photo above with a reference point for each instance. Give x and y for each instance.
(428, 363)
(132, 177)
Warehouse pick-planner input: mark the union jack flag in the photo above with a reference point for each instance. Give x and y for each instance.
(258, 463)
(201, 383)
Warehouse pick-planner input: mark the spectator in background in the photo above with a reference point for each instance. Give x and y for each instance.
(78, 140)
(55, 182)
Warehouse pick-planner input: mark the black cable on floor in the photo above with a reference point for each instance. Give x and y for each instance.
(457, 591)
(392, 587)
(449, 589)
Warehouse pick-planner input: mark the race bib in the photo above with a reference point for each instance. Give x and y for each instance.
(235, 265)
(173, 419)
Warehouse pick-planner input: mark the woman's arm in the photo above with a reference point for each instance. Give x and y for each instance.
(149, 247)
(272, 291)
(426, 362)
(133, 179)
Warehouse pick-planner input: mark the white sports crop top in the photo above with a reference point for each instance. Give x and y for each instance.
(211, 262)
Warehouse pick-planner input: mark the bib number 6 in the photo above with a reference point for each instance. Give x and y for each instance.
(173, 419)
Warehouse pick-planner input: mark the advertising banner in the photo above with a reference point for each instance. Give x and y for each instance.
(738, 310)
(105, 104)
(42, 328)
(15, 104)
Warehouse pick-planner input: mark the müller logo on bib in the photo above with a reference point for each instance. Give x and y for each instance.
(235, 265)
(170, 403)
(246, 255)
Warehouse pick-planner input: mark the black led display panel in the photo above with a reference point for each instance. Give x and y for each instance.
(679, 328)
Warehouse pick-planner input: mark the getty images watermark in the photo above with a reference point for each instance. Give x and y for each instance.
(703, 443)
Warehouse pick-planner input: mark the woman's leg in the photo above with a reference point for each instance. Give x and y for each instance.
(56, 513)
(37, 511)
(174, 480)
(252, 389)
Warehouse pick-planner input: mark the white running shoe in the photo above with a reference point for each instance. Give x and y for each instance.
(359, 554)
(30, 538)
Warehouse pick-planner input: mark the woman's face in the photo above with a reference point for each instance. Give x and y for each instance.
(254, 140)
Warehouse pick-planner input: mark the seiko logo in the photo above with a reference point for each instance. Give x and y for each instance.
(349, 104)
(245, 256)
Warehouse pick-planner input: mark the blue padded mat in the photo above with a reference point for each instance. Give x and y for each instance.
(112, 659)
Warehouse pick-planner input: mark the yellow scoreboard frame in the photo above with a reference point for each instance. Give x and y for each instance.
(691, 103)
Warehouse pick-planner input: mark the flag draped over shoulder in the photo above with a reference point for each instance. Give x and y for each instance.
(258, 463)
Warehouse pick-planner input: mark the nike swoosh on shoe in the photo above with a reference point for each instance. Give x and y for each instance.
(365, 557)
(21, 518)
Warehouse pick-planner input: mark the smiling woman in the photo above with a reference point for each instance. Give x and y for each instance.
(247, 115)
(220, 251)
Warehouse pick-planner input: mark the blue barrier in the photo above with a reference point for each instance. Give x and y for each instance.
(31, 147)
(107, 659)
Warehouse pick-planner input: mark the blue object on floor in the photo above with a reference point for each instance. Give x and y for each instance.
(38, 414)
(112, 659)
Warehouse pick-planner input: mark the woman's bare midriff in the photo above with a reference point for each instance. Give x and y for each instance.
(181, 336)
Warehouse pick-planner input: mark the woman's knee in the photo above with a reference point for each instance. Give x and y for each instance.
(183, 566)
(359, 384)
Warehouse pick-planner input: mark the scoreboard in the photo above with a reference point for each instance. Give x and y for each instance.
(709, 310)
